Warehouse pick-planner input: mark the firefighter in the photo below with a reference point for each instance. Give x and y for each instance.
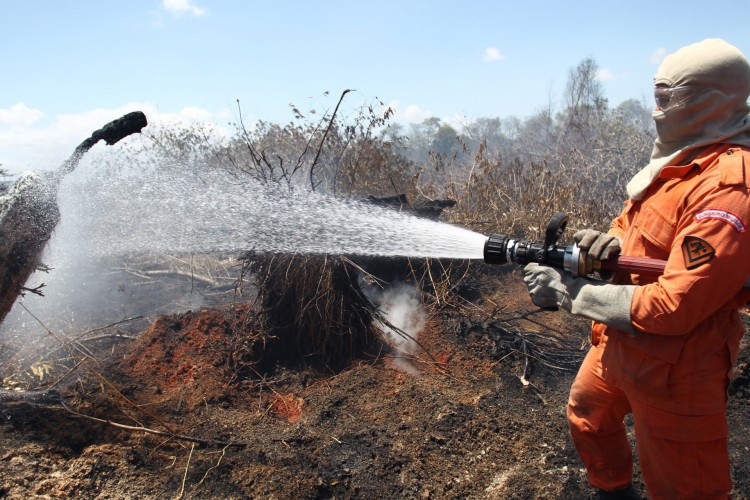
(663, 347)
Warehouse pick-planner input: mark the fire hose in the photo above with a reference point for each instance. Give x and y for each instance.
(502, 249)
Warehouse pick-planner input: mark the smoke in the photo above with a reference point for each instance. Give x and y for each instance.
(402, 310)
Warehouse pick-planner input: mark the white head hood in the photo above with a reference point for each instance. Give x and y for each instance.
(718, 114)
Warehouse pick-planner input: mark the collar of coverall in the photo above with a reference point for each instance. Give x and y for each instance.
(717, 115)
(704, 159)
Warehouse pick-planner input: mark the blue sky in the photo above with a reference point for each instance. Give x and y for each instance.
(69, 67)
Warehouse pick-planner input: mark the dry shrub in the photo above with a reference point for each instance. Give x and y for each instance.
(371, 168)
(519, 199)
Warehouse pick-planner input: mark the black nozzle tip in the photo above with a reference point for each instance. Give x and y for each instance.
(495, 249)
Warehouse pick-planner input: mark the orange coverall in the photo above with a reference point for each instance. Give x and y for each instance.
(673, 375)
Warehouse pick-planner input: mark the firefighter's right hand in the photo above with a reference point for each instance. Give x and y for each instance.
(598, 245)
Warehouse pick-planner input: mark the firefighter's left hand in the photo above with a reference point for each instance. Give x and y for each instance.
(546, 287)
(603, 302)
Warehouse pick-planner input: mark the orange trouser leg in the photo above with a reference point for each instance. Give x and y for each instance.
(682, 456)
(595, 413)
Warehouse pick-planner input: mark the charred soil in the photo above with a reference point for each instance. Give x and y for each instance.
(480, 413)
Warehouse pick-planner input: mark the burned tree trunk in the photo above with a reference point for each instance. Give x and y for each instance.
(29, 212)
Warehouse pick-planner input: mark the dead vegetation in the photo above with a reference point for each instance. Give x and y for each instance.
(282, 387)
(312, 310)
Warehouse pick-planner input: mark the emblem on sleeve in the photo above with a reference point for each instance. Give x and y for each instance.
(696, 251)
(722, 215)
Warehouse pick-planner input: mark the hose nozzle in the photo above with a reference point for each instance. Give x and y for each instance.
(496, 249)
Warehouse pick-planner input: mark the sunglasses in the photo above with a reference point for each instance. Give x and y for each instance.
(670, 97)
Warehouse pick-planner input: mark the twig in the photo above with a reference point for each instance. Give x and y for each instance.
(46, 397)
(187, 466)
(99, 328)
(65, 376)
(523, 378)
(109, 336)
(368, 275)
(377, 314)
(36, 290)
(323, 140)
(223, 452)
(432, 280)
(156, 432)
(101, 377)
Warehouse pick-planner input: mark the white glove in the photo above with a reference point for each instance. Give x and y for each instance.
(603, 302)
(600, 246)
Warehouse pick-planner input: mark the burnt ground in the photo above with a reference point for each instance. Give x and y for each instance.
(476, 419)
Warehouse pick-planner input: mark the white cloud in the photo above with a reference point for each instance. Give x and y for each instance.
(19, 115)
(657, 56)
(411, 114)
(458, 122)
(183, 7)
(415, 114)
(493, 54)
(605, 75)
(185, 115)
(33, 144)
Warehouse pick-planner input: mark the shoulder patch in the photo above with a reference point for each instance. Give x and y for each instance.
(696, 251)
(722, 215)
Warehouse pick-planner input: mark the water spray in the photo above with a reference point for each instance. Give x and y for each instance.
(29, 213)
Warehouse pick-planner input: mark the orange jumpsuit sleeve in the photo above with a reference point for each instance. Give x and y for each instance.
(689, 292)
